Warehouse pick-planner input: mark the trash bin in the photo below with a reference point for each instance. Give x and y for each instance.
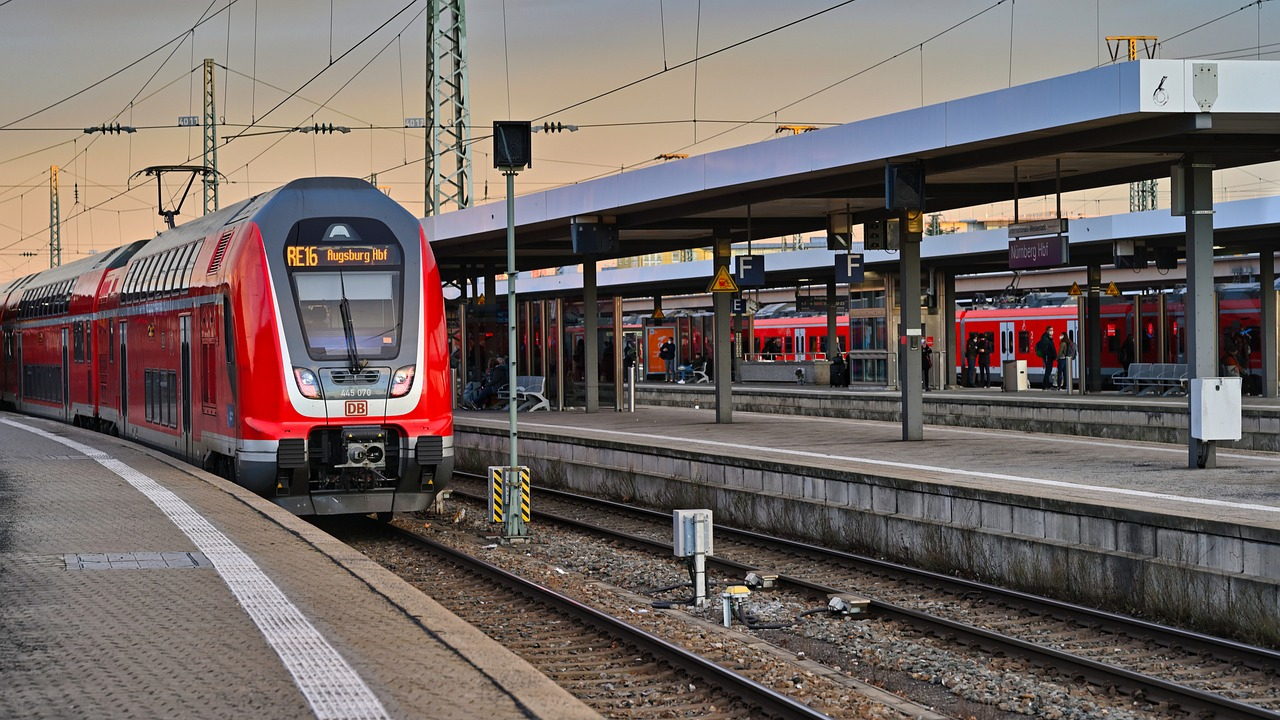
(1014, 375)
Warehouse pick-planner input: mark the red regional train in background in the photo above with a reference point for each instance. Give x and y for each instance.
(1012, 328)
(294, 343)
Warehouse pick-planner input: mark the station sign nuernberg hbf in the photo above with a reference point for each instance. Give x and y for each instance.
(1038, 252)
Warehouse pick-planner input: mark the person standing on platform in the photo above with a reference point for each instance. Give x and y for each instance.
(984, 361)
(926, 363)
(629, 358)
(970, 360)
(1066, 353)
(667, 352)
(1048, 353)
(1125, 354)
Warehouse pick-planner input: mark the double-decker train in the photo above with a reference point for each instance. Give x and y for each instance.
(1012, 329)
(294, 343)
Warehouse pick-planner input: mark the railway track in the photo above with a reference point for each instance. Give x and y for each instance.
(1184, 672)
(617, 669)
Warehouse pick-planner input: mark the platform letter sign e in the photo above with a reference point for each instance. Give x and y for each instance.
(849, 268)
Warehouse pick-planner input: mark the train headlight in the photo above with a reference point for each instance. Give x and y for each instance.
(308, 385)
(402, 380)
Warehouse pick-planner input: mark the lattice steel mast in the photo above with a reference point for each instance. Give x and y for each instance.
(55, 220)
(210, 141)
(448, 166)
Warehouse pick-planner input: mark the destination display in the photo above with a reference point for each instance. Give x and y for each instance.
(328, 256)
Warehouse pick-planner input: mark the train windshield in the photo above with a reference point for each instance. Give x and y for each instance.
(372, 299)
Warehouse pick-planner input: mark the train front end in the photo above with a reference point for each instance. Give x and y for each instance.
(365, 422)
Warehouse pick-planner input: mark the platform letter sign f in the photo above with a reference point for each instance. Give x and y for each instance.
(750, 270)
(849, 268)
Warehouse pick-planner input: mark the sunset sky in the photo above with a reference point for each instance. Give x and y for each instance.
(72, 64)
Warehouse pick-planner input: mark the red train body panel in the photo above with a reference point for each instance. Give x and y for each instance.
(294, 342)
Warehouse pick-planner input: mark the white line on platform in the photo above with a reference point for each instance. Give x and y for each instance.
(331, 686)
(929, 468)
(1046, 438)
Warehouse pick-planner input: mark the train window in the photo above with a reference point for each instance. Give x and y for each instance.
(171, 271)
(147, 394)
(176, 256)
(153, 276)
(163, 263)
(77, 342)
(144, 275)
(191, 263)
(125, 284)
(1024, 342)
(136, 273)
(374, 301)
(133, 281)
(187, 260)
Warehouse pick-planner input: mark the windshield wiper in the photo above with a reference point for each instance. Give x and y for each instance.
(348, 328)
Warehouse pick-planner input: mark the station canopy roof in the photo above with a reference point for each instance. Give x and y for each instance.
(1107, 126)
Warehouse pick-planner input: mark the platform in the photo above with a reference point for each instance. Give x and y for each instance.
(1115, 519)
(132, 585)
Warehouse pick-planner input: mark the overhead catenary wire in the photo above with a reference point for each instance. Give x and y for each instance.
(127, 67)
(322, 71)
(335, 93)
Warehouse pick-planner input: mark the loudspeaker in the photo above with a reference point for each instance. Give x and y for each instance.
(592, 236)
(1166, 258)
(1136, 261)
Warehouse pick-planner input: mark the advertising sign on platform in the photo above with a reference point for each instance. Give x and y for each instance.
(653, 339)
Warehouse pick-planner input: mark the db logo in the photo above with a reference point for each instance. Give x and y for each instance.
(358, 407)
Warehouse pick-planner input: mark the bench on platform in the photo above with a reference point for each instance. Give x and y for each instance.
(531, 393)
(1151, 378)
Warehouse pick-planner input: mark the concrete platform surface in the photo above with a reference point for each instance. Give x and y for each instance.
(1243, 488)
(132, 585)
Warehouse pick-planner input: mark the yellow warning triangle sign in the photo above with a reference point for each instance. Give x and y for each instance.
(723, 281)
(657, 314)
(1075, 290)
(1112, 290)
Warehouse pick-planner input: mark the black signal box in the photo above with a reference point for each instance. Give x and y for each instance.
(904, 186)
(512, 144)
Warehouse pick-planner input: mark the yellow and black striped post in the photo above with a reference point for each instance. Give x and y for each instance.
(509, 499)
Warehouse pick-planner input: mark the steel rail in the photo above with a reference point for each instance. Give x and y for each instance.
(772, 703)
(1103, 674)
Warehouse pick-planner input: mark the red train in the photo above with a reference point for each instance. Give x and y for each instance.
(294, 343)
(1012, 330)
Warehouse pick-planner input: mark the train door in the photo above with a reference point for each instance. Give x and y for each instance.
(1008, 348)
(1073, 332)
(124, 375)
(800, 344)
(66, 376)
(184, 334)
